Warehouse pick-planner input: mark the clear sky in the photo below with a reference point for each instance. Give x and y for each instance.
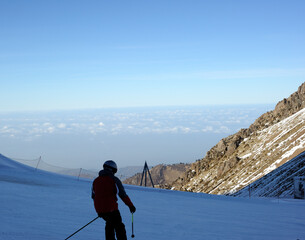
(92, 54)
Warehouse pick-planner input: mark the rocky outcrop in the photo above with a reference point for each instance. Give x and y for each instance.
(162, 175)
(283, 109)
(273, 139)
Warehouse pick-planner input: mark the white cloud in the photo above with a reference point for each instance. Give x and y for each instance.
(50, 129)
(222, 129)
(156, 123)
(93, 132)
(61, 125)
(207, 129)
(117, 129)
(46, 124)
(186, 129)
(4, 129)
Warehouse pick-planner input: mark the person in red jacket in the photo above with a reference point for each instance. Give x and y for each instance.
(104, 193)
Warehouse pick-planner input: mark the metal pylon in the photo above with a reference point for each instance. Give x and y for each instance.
(144, 175)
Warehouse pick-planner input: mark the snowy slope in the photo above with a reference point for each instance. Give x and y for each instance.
(279, 182)
(39, 205)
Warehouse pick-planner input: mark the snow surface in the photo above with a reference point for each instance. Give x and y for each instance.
(40, 205)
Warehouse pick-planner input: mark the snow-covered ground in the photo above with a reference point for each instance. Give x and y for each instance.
(39, 205)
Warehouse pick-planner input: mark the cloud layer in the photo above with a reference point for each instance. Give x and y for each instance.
(172, 120)
(130, 136)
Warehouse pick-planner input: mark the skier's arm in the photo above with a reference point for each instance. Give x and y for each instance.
(122, 194)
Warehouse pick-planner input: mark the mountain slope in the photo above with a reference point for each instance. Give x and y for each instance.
(240, 159)
(278, 183)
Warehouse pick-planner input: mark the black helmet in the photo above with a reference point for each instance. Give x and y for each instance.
(109, 164)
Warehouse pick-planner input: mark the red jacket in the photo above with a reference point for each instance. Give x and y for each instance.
(104, 190)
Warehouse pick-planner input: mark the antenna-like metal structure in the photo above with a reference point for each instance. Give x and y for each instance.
(144, 175)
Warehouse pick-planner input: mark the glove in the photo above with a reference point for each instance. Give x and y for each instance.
(132, 209)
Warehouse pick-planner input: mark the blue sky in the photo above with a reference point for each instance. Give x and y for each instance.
(95, 54)
(62, 55)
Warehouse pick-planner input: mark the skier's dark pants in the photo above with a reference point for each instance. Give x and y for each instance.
(114, 224)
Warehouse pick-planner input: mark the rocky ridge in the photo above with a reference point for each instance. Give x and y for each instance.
(240, 159)
(162, 175)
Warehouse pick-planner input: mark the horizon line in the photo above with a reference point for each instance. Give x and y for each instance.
(132, 107)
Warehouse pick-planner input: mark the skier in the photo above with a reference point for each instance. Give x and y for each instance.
(104, 190)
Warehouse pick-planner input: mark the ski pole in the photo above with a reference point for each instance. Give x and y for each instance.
(82, 228)
(132, 235)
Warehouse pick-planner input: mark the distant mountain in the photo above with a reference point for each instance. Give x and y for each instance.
(126, 172)
(122, 173)
(162, 175)
(240, 159)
